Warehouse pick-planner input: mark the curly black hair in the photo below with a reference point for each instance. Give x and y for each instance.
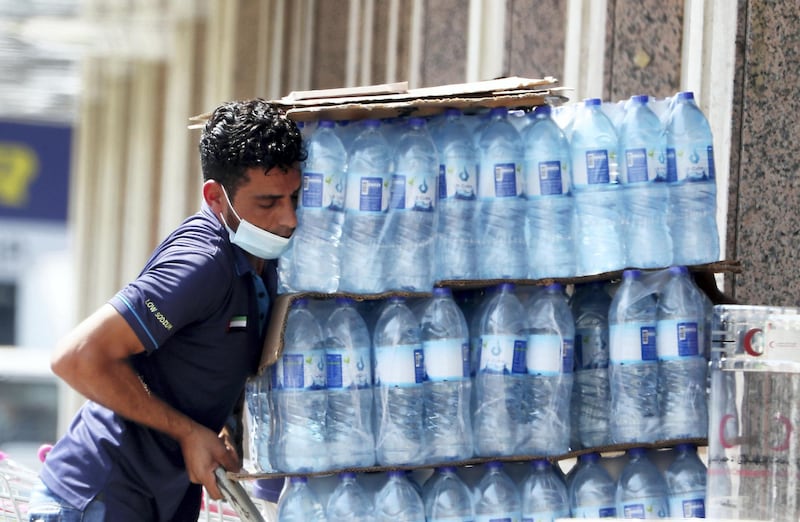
(243, 134)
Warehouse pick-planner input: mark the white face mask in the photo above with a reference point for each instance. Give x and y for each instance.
(254, 240)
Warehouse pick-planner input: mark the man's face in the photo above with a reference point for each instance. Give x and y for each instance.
(268, 201)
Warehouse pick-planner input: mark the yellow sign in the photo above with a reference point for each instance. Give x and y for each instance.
(18, 168)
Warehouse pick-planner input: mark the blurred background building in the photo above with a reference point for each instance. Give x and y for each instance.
(97, 162)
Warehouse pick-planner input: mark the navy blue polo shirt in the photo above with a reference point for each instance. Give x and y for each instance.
(195, 308)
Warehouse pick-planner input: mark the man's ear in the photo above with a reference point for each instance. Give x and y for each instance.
(213, 196)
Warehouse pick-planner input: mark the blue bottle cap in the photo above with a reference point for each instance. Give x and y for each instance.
(397, 299)
(397, 473)
(506, 287)
(631, 274)
(298, 480)
(341, 300)
(678, 270)
(498, 111)
(371, 123)
(441, 291)
(543, 110)
(301, 302)
(446, 469)
(347, 475)
(640, 98)
(540, 464)
(268, 489)
(686, 95)
(589, 457)
(555, 287)
(686, 446)
(416, 122)
(592, 102)
(636, 452)
(327, 124)
(494, 464)
(452, 111)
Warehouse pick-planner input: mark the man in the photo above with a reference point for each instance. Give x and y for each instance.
(164, 362)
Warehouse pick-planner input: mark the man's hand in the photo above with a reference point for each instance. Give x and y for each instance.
(203, 452)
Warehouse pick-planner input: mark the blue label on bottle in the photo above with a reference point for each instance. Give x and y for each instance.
(636, 165)
(312, 190)
(399, 365)
(458, 178)
(505, 180)
(303, 371)
(632, 343)
(672, 166)
(371, 195)
(633, 511)
(567, 356)
(503, 354)
(597, 166)
(710, 152)
(398, 197)
(677, 339)
(349, 369)
(648, 338)
(607, 512)
(550, 181)
(442, 181)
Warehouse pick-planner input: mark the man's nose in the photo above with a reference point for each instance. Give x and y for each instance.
(288, 217)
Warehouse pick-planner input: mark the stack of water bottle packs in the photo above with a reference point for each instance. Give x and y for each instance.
(400, 204)
(534, 491)
(507, 371)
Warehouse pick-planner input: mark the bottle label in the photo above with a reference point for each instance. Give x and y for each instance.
(594, 169)
(690, 505)
(632, 343)
(412, 192)
(320, 191)
(545, 516)
(548, 355)
(638, 165)
(368, 195)
(677, 339)
(549, 179)
(302, 371)
(348, 368)
(399, 365)
(594, 512)
(446, 359)
(504, 182)
(497, 517)
(590, 348)
(503, 354)
(650, 507)
(458, 178)
(690, 163)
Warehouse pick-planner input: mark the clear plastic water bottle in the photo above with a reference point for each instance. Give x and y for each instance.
(399, 377)
(547, 387)
(409, 236)
(447, 497)
(591, 392)
(300, 395)
(367, 193)
(458, 191)
(501, 206)
(445, 343)
(348, 358)
(643, 172)
(348, 131)
(682, 364)
(692, 183)
(398, 500)
(312, 261)
(258, 392)
(686, 480)
(634, 362)
(349, 502)
(299, 503)
(549, 227)
(591, 489)
(543, 494)
(597, 191)
(641, 488)
(501, 369)
(496, 496)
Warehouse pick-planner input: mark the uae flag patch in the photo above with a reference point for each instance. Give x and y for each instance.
(238, 323)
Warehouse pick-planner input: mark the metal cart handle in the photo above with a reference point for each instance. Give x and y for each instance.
(237, 497)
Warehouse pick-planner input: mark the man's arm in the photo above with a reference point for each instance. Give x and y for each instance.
(93, 359)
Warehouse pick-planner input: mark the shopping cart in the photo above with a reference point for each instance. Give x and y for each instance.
(16, 483)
